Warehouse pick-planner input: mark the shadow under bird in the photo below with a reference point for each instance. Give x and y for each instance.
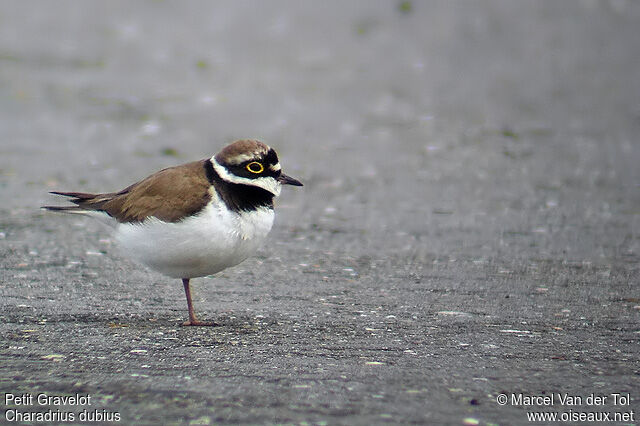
(194, 219)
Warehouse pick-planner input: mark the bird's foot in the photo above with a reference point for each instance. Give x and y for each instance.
(199, 323)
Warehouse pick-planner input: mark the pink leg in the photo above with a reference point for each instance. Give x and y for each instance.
(192, 315)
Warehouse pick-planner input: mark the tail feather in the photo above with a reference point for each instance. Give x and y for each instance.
(103, 216)
(80, 196)
(85, 202)
(65, 209)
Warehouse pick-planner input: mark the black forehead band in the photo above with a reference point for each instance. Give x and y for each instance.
(271, 157)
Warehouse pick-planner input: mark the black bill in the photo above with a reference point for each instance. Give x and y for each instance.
(288, 180)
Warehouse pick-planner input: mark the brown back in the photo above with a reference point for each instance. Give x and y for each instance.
(169, 195)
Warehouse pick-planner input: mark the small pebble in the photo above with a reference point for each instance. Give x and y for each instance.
(53, 357)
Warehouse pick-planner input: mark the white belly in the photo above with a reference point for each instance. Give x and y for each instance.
(204, 244)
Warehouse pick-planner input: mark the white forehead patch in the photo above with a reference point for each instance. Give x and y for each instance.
(275, 167)
(267, 183)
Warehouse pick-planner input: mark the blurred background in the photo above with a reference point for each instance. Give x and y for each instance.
(443, 101)
(401, 117)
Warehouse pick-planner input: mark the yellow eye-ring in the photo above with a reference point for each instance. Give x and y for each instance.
(255, 167)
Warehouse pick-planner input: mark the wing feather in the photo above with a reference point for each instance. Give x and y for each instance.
(169, 195)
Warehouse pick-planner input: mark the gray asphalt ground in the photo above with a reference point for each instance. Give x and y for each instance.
(469, 224)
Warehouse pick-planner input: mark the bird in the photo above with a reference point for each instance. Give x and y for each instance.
(194, 219)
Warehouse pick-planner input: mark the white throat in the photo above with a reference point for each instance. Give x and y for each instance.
(267, 183)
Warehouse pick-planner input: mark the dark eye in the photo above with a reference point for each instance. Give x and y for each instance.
(255, 167)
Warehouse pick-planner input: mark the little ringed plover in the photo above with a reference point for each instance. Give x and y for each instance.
(195, 219)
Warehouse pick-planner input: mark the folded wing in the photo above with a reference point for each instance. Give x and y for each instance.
(169, 195)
